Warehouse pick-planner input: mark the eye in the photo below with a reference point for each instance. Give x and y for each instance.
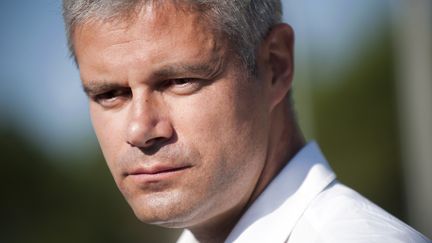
(183, 86)
(112, 98)
(182, 81)
(179, 82)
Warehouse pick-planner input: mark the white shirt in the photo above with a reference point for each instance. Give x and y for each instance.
(305, 203)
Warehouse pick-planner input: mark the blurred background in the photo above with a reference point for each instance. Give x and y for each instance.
(363, 88)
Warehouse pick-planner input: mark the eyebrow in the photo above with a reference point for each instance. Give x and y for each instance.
(97, 87)
(208, 69)
(204, 69)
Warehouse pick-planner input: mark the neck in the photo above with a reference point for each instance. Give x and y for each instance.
(285, 140)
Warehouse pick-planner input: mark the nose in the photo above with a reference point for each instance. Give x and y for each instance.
(147, 125)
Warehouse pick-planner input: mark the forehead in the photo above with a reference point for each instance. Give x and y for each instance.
(155, 31)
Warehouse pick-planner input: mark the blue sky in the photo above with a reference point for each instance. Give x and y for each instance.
(40, 90)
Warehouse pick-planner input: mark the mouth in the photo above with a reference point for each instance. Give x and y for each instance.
(156, 173)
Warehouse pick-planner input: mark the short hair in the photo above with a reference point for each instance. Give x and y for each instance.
(244, 22)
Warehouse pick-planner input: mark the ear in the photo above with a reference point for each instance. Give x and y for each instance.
(276, 62)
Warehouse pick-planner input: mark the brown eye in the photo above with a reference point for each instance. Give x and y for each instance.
(105, 96)
(182, 81)
(183, 86)
(112, 98)
(177, 82)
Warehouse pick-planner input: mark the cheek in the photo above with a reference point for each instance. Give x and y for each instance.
(228, 128)
(225, 122)
(109, 139)
(203, 118)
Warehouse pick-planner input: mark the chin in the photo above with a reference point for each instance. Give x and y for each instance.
(166, 211)
(164, 219)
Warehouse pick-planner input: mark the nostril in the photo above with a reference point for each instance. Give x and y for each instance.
(154, 141)
(153, 145)
(146, 143)
(147, 133)
(151, 142)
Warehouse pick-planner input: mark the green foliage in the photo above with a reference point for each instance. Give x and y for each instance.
(356, 124)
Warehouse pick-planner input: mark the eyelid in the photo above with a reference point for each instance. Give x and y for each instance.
(110, 97)
(186, 80)
(186, 86)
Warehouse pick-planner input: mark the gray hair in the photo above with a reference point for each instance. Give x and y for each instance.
(244, 22)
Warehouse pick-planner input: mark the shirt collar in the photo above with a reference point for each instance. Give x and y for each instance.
(273, 215)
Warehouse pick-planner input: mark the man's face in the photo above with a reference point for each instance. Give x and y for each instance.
(183, 130)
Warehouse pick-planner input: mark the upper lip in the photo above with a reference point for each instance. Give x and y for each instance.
(156, 169)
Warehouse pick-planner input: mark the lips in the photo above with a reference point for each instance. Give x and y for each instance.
(155, 173)
(157, 170)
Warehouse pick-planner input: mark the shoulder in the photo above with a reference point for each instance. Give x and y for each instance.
(339, 214)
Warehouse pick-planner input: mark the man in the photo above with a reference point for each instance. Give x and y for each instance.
(191, 104)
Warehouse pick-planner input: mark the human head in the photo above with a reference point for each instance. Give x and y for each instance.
(187, 134)
(244, 23)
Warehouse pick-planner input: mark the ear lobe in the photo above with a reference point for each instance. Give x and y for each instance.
(278, 54)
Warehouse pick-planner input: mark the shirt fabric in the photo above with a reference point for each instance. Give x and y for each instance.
(305, 203)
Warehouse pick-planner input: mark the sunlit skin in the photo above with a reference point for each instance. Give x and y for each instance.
(190, 139)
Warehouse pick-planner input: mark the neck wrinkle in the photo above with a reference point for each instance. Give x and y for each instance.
(282, 146)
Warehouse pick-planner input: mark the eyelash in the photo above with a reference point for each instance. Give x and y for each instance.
(182, 86)
(111, 94)
(179, 82)
(186, 86)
